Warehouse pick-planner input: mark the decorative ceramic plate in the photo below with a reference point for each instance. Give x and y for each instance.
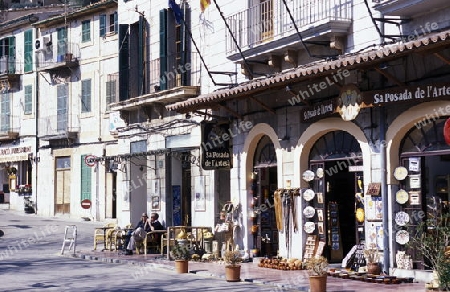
(360, 215)
(400, 173)
(401, 218)
(402, 237)
(319, 172)
(401, 196)
(308, 195)
(309, 227)
(309, 212)
(308, 175)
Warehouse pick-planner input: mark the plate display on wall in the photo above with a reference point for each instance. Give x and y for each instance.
(401, 196)
(400, 173)
(402, 237)
(401, 218)
(309, 212)
(309, 227)
(308, 175)
(319, 172)
(308, 195)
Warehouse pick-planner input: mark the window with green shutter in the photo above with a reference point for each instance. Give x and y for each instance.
(86, 96)
(11, 55)
(5, 112)
(102, 25)
(61, 48)
(163, 34)
(85, 31)
(110, 93)
(62, 107)
(28, 51)
(28, 106)
(113, 22)
(86, 180)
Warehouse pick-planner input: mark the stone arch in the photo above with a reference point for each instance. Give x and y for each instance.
(320, 128)
(402, 124)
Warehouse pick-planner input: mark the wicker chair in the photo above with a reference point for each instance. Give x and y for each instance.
(99, 235)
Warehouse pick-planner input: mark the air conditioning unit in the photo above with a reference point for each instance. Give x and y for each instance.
(43, 43)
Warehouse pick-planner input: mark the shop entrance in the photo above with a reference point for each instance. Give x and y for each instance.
(336, 161)
(264, 185)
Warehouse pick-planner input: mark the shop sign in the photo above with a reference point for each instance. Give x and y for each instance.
(216, 142)
(14, 153)
(349, 102)
(319, 110)
(409, 93)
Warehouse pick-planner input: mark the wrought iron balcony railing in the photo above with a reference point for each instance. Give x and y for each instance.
(59, 126)
(61, 54)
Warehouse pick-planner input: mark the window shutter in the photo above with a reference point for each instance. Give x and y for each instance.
(141, 48)
(28, 51)
(124, 64)
(102, 25)
(12, 55)
(116, 22)
(5, 112)
(86, 180)
(62, 107)
(62, 41)
(163, 35)
(186, 48)
(86, 96)
(28, 108)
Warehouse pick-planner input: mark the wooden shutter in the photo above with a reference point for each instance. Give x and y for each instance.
(62, 107)
(110, 93)
(141, 47)
(5, 112)
(12, 55)
(28, 107)
(86, 180)
(86, 96)
(28, 51)
(102, 25)
(186, 46)
(124, 62)
(62, 41)
(163, 35)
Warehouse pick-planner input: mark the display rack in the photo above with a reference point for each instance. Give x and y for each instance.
(335, 240)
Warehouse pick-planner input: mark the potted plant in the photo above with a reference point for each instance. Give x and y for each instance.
(181, 255)
(432, 241)
(317, 267)
(373, 259)
(232, 259)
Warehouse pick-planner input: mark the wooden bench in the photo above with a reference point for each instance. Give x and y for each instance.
(195, 234)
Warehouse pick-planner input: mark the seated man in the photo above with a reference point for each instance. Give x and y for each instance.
(140, 233)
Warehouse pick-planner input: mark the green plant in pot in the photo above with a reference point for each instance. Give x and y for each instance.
(232, 259)
(181, 255)
(317, 267)
(432, 241)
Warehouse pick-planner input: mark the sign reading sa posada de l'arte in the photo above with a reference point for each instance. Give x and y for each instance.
(216, 146)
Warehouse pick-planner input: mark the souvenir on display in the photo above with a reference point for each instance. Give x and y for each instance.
(401, 196)
(319, 172)
(309, 212)
(360, 215)
(400, 173)
(402, 237)
(401, 218)
(308, 195)
(309, 227)
(308, 175)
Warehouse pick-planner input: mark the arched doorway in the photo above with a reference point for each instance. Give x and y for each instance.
(426, 157)
(336, 160)
(264, 184)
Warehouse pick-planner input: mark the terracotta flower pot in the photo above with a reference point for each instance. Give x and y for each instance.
(181, 266)
(233, 273)
(318, 283)
(373, 268)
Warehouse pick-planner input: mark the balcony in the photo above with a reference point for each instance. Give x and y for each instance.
(59, 127)
(9, 127)
(267, 27)
(10, 72)
(181, 83)
(410, 8)
(56, 57)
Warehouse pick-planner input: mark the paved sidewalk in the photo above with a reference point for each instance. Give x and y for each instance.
(281, 280)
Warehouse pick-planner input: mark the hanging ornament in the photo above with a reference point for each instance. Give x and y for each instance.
(447, 131)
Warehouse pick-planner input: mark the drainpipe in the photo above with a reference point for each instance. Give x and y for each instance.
(384, 188)
(36, 121)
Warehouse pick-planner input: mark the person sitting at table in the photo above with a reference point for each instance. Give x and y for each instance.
(140, 233)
